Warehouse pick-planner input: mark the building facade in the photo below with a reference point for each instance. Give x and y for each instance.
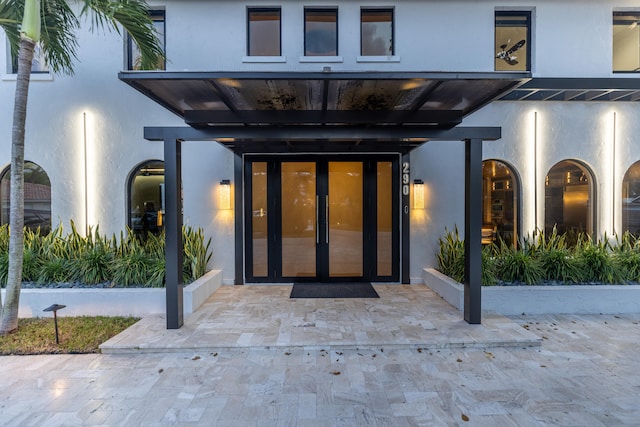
(331, 207)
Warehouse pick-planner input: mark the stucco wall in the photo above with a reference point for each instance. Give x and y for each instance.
(429, 36)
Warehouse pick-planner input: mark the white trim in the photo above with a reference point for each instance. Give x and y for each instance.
(264, 59)
(378, 58)
(35, 77)
(321, 59)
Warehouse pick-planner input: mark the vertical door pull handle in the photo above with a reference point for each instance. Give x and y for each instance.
(317, 219)
(326, 218)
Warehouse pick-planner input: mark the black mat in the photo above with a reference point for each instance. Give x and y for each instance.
(333, 290)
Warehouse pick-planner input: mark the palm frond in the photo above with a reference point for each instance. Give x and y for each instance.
(10, 21)
(58, 36)
(133, 16)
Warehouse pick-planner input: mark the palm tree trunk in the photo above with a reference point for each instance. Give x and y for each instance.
(9, 311)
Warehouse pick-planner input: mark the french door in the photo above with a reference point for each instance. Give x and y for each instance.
(334, 219)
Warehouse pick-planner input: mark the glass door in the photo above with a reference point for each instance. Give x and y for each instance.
(322, 220)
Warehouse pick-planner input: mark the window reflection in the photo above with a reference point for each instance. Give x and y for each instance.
(512, 42)
(146, 198)
(499, 203)
(320, 32)
(568, 199)
(626, 41)
(133, 52)
(37, 197)
(39, 64)
(263, 38)
(376, 32)
(631, 200)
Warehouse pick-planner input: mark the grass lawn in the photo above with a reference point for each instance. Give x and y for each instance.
(77, 335)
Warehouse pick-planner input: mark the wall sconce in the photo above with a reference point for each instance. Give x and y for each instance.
(418, 194)
(225, 194)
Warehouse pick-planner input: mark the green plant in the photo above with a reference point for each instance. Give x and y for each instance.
(55, 269)
(131, 269)
(598, 264)
(196, 253)
(451, 255)
(559, 264)
(515, 264)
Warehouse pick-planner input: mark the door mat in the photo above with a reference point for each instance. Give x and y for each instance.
(333, 290)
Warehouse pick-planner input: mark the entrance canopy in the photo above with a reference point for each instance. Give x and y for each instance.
(325, 112)
(307, 111)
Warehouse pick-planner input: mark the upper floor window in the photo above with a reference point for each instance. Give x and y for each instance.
(512, 43)
(320, 32)
(38, 64)
(133, 53)
(263, 32)
(376, 32)
(626, 41)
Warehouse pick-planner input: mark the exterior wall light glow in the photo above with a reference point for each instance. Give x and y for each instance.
(418, 194)
(225, 194)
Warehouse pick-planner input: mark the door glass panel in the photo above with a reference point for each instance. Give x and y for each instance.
(259, 219)
(384, 219)
(298, 219)
(345, 219)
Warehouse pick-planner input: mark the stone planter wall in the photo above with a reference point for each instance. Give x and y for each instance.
(138, 302)
(515, 300)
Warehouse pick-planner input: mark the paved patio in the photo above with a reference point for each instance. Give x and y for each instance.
(265, 317)
(584, 374)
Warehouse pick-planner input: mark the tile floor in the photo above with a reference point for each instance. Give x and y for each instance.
(265, 317)
(585, 373)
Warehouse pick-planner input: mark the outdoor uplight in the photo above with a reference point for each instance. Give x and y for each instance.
(55, 308)
(418, 194)
(225, 194)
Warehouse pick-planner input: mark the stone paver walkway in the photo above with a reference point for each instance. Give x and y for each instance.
(585, 373)
(265, 317)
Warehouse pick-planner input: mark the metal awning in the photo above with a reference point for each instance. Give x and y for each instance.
(262, 103)
(613, 89)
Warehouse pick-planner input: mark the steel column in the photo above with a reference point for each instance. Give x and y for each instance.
(473, 231)
(238, 218)
(173, 232)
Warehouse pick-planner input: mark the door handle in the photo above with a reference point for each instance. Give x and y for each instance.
(317, 219)
(326, 219)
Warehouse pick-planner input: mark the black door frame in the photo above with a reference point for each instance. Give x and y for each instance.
(369, 220)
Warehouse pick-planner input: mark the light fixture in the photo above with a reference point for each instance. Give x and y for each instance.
(225, 194)
(418, 194)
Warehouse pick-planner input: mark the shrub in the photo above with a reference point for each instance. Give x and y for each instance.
(517, 265)
(599, 265)
(451, 255)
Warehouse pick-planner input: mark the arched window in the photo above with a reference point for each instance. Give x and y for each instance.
(146, 198)
(500, 193)
(631, 200)
(37, 197)
(569, 199)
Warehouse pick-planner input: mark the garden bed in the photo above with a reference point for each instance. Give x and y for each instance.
(516, 300)
(138, 302)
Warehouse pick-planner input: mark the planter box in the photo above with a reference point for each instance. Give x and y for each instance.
(138, 302)
(516, 300)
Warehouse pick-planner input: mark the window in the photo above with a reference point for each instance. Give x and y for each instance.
(146, 198)
(568, 199)
(133, 53)
(631, 200)
(500, 192)
(263, 32)
(513, 41)
(376, 32)
(37, 197)
(626, 42)
(321, 32)
(39, 63)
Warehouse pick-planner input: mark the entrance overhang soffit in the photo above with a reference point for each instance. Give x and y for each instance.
(384, 101)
